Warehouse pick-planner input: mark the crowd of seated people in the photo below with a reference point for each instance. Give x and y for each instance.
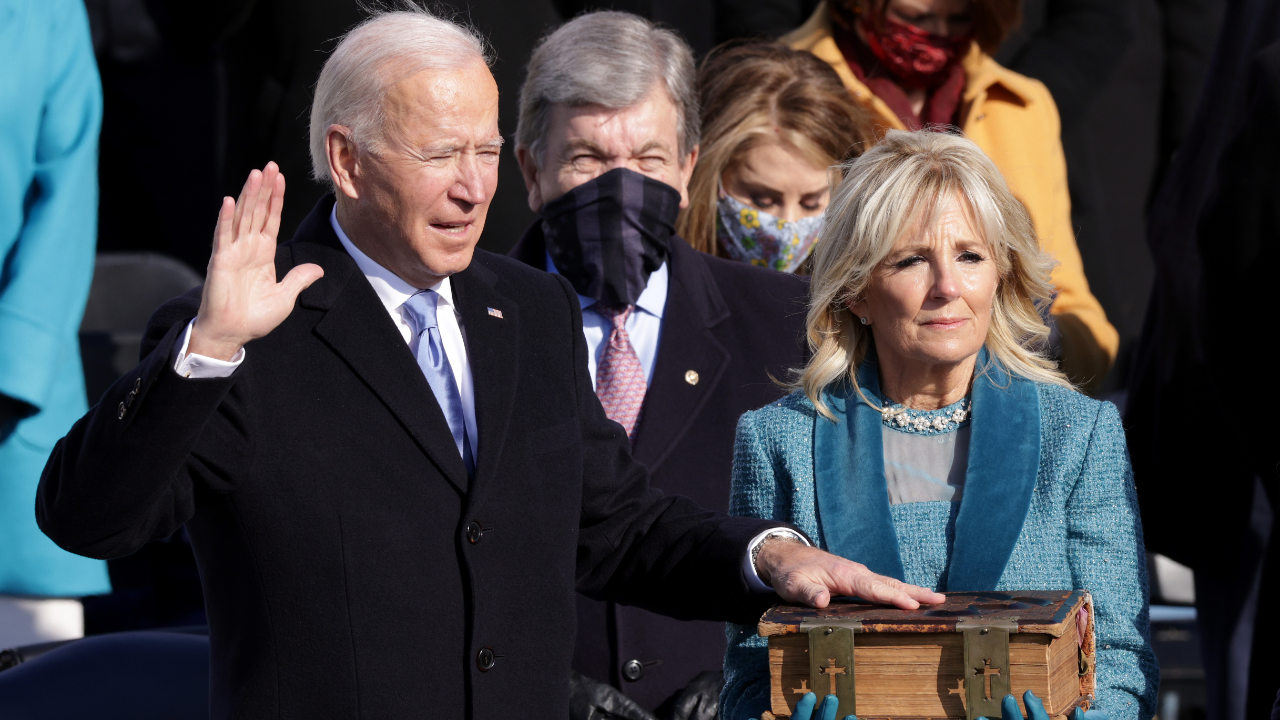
(828, 284)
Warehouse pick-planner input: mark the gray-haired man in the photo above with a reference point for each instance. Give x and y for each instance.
(391, 464)
(679, 343)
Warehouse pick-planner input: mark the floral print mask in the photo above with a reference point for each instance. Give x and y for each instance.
(749, 235)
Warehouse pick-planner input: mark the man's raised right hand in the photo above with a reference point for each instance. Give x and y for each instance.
(242, 300)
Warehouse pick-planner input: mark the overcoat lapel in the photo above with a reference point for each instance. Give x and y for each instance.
(672, 403)
(491, 322)
(851, 491)
(1004, 462)
(357, 328)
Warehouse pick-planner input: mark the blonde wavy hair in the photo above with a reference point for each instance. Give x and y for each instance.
(901, 185)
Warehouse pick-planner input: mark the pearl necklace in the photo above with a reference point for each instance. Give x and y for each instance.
(928, 421)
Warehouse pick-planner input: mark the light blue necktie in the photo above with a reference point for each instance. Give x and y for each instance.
(435, 366)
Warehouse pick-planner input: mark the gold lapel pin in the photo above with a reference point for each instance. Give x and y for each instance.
(495, 313)
(691, 377)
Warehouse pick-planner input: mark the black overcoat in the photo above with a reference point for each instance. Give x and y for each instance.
(350, 566)
(738, 328)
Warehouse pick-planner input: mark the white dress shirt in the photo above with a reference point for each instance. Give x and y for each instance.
(644, 325)
(393, 292)
(644, 328)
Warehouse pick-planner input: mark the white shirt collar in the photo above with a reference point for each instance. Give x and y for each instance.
(392, 290)
(653, 300)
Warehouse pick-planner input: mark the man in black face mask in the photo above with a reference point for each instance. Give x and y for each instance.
(680, 343)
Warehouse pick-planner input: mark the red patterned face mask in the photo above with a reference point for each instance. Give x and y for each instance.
(918, 59)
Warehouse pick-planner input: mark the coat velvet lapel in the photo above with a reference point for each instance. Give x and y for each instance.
(672, 404)
(852, 493)
(357, 328)
(493, 342)
(1004, 460)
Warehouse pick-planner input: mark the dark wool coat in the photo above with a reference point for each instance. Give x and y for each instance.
(737, 327)
(350, 566)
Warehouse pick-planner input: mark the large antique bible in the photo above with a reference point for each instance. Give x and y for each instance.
(955, 660)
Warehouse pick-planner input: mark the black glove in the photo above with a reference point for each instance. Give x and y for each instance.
(593, 700)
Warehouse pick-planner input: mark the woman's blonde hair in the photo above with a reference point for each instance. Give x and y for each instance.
(755, 90)
(903, 185)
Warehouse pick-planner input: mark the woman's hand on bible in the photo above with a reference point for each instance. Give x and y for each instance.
(1035, 710)
(807, 575)
(242, 300)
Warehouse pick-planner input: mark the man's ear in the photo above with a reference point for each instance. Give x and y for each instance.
(529, 169)
(344, 160)
(686, 173)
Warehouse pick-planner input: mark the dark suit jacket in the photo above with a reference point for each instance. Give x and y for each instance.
(736, 326)
(351, 568)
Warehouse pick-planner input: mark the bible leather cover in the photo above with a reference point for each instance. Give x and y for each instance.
(954, 660)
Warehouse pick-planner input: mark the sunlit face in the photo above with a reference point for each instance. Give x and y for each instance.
(929, 302)
(418, 206)
(776, 178)
(583, 143)
(950, 18)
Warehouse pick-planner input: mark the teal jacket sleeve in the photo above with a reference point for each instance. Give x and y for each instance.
(48, 193)
(1105, 550)
(746, 661)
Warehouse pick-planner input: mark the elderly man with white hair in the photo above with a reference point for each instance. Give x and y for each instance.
(391, 462)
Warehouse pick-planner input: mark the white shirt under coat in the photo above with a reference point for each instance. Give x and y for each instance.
(393, 292)
(644, 327)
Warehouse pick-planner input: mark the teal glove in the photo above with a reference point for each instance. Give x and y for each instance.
(804, 708)
(1036, 711)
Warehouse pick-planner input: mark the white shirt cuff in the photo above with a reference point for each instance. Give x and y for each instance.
(198, 366)
(749, 568)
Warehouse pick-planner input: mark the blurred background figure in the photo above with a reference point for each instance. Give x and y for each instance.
(679, 343)
(1214, 233)
(774, 122)
(916, 63)
(50, 112)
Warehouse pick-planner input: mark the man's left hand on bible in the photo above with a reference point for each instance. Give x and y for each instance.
(806, 575)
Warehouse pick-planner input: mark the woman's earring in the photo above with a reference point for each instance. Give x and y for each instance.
(864, 320)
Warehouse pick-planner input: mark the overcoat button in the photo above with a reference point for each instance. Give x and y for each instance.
(137, 385)
(120, 412)
(691, 377)
(632, 670)
(474, 532)
(485, 659)
(129, 400)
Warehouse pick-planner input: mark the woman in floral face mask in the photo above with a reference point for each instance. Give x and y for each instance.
(774, 121)
(918, 63)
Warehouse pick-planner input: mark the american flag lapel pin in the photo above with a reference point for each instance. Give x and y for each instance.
(495, 313)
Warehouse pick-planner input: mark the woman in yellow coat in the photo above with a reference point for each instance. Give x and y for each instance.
(914, 63)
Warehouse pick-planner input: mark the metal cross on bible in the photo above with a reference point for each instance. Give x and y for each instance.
(831, 671)
(959, 690)
(987, 672)
(803, 689)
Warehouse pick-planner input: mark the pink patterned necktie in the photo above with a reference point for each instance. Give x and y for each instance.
(620, 380)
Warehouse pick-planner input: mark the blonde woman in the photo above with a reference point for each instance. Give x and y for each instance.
(774, 121)
(929, 438)
(915, 63)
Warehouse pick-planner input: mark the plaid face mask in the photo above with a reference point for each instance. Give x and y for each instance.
(607, 236)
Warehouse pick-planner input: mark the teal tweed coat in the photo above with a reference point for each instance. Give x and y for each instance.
(50, 113)
(1048, 504)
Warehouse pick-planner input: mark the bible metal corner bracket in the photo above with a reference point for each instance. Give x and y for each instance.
(831, 663)
(986, 664)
